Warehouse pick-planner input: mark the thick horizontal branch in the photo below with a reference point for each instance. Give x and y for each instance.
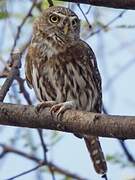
(122, 127)
(119, 4)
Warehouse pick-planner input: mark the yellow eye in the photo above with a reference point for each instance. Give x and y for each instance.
(54, 18)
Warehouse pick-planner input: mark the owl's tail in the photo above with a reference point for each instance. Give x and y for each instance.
(96, 153)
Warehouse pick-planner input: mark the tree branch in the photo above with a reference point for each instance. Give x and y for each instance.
(56, 168)
(22, 24)
(122, 127)
(16, 64)
(119, 4)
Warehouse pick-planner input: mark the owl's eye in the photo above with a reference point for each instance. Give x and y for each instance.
(54, 18)
(74, 22)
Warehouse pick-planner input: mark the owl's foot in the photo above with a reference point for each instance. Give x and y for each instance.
(60, 108)
(45, 104)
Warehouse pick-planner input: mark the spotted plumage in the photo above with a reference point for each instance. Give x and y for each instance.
(63, 70)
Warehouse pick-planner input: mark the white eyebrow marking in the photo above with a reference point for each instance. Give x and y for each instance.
(73, 17)
(59, 14)
(62, 15)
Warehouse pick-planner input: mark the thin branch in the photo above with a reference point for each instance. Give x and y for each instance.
(23, 90)
(13, 73)
(16, 64)
(122, 127)
(55, 168)
(108, 24)
(84, 16)
(26, 172)
(119, 4)
(22, 24)
(40, 132)
(126, 151)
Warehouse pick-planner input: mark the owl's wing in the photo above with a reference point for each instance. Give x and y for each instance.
(28, 67)
(92, 142)
(91, 59)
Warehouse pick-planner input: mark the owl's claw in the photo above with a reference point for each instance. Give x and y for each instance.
(45, 104)
(60, 108)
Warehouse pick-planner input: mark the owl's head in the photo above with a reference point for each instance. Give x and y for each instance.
(59, 26)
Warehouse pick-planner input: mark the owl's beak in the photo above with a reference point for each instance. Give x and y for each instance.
(66, 29)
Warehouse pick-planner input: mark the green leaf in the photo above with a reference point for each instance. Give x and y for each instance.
(4, 15)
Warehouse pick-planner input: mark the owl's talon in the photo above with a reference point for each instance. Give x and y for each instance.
(55, 108)
(46, 104)
(60, 108)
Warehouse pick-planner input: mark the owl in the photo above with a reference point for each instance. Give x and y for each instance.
(62, 70)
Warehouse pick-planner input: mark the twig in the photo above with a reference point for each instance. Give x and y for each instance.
(26, 172)
(40, 132)
(126, 151)
(108, 24)
(55, 168)
(16, 64)
(84, 16)
(89, 8)
(21, 25)
(23, 90)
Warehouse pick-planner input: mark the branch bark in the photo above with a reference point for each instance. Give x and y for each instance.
(122, 127)
(119, 4)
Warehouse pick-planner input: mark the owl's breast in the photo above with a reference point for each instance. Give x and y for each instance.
(61, 79)
(67, 80)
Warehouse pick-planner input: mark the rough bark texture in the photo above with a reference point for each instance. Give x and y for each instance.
(119, 4)
(122, 127)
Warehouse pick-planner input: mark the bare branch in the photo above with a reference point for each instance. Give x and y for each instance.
(122, 127)
(119, 4)
(26, 172)
(16, 63)
(55, 168)
(126, 151)
(22, 24)
(108, 24)
(23, 89)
